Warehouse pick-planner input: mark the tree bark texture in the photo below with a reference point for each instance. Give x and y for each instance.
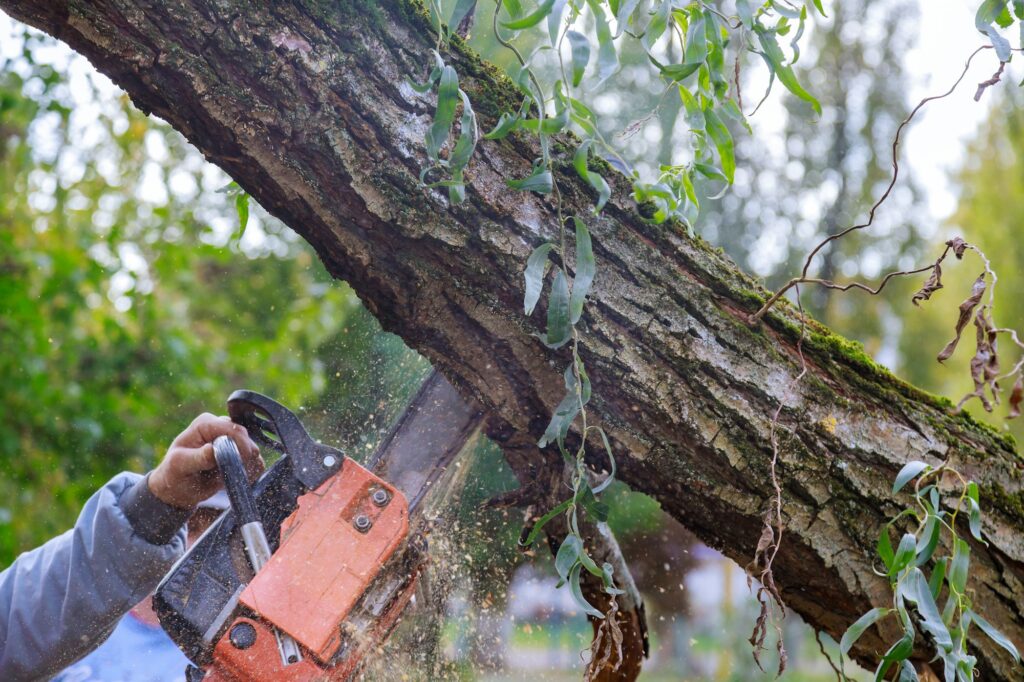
(306, 105)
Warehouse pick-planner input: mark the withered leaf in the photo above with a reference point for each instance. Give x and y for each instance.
(966, 308)
(959, 246)
(1016, 396)
(985, 363)
(931, 285)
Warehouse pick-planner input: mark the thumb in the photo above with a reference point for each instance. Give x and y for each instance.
(197, 460)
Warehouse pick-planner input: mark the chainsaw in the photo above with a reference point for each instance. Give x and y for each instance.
(313, 564)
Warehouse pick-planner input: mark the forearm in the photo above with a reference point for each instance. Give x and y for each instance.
(61, 600)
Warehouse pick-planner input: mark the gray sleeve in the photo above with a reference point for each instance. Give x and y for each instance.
(61, 600)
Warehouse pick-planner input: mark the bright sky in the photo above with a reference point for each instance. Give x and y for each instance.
(937, 138)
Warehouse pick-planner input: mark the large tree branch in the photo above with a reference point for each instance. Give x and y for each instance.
(306, 106)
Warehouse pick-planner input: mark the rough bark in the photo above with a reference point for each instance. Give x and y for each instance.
(306, 106)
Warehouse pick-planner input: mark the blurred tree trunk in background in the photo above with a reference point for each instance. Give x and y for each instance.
(305, 106)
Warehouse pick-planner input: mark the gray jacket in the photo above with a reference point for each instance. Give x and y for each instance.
(60, 601)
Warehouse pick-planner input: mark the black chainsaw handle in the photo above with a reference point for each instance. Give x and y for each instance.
(273, 425)
(236, 482)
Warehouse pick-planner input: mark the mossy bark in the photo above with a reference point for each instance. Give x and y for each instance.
(306, 105)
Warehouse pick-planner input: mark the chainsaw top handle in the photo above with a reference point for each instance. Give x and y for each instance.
(236, 482)
(273, 425)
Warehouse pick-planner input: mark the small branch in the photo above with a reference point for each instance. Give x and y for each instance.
(828, 284)
(885, 195)
(985, 85)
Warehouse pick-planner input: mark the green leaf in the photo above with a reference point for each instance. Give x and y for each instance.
(595, 180)
(585, 270)
(559, 328)
(900, 651)
(536, 264)
(242, 208)
(507, 123)
(607, 58)
(555, 21)
(462, 8)
(539, 181)
(611, 461)
(937, 577)
(723, 142)
(746, 14)
(577, 593)
(916, 588)
(589, 564)
(904, 554)
(561, 419)
(608, 579)
(854, 632)
(696, 39)
(710, 172)
(532, 19)
(987, 13)
(694, 114)
(929, 540)
(469, 134)
(537, 527)
(995, 635)
(444, 116)
(909, 471)
(1001, 44)
(907, 672)
(678, 72)
(580, 55)
(568, 555)
(958, 568)
(773, 55)
(884, 547)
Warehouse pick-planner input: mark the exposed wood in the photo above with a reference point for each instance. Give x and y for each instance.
(306, 106)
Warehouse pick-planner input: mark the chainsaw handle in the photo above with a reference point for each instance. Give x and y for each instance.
(236, 482)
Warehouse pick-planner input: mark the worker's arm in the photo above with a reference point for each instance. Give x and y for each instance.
(61, 600)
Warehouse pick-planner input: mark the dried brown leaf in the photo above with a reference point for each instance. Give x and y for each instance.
(959, 246)
(966, 308)
(931, 285)
(985, 363)
(1016, 396)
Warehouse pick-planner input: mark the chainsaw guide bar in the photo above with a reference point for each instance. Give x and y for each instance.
(345, 552)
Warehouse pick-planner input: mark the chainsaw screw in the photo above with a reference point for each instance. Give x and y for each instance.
(330, 461)
(380, 497)
(242, 636)
(362, 523)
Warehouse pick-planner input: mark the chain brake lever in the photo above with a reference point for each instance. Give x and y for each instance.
(273, 425)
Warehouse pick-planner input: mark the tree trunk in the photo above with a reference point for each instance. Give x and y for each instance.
(306, 106)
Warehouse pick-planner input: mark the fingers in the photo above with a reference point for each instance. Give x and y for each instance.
(206, 428)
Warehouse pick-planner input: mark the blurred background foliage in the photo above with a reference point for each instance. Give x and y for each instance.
(131, 299)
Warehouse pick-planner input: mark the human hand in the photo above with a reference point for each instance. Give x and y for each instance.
(188, 473)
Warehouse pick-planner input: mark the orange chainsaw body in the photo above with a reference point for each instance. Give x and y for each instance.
(335, 585)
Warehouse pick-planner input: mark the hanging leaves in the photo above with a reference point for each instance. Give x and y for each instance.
(449, 96)
(914, 593)
(966, 310)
